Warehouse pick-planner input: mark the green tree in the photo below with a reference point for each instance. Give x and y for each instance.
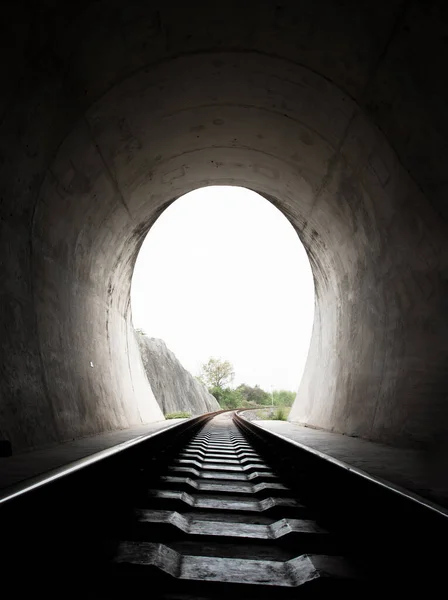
(254, 395)
(217, 373)
(283, 397)
(227, 398)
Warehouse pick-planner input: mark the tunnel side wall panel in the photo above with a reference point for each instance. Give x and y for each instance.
(379, 331)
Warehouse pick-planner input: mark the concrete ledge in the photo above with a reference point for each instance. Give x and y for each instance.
(411, 469)
(29, 464)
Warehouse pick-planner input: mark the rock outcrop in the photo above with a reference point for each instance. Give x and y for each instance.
(173, 386)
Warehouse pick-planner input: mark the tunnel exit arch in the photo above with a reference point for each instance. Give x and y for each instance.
(334, 111)
(257, 122)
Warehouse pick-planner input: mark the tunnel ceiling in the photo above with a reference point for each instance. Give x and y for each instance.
(333, 111)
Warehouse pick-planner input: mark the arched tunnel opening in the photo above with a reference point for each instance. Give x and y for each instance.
(222, 273)
(335, 113)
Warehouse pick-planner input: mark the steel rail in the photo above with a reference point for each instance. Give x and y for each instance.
(393, 488)
(43, 479)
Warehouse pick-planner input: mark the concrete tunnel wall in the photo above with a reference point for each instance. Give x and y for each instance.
(334, 111)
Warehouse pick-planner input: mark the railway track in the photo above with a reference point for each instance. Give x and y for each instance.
(216, 508)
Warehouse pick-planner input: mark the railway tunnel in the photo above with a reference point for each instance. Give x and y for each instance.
(334, 111)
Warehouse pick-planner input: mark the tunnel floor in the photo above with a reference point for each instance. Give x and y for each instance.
(215, 507)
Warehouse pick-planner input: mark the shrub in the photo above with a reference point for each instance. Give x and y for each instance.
(178, 415)
(279, 414)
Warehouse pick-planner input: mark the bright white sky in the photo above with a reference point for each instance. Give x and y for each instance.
(222, 273)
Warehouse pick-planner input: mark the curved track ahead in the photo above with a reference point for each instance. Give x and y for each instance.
(219, 514)
(217, 508)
